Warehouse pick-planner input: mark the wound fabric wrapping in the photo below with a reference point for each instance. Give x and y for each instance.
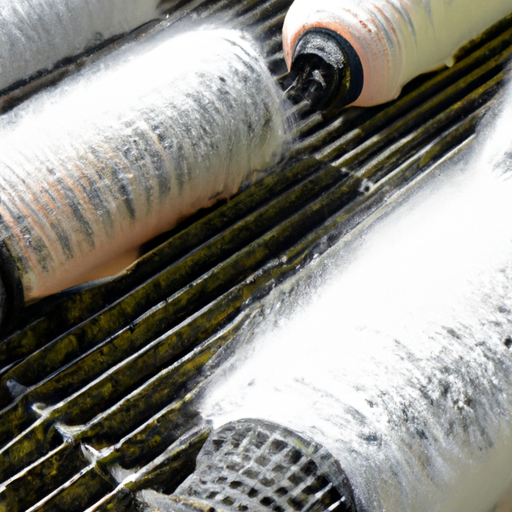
(128, 148)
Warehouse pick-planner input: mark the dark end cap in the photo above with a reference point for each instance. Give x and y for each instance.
(11, 288)
(254, 464)
(326, 70)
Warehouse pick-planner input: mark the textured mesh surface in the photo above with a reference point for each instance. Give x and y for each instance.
(251, 465)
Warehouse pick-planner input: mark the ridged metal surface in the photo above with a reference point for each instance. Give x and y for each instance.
(100, 383)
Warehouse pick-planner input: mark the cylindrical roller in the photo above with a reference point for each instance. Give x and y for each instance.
(36, 35)
(127, 149)
(397, 356)
(364, 51)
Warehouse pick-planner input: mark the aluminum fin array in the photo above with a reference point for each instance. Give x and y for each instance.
(97, 385)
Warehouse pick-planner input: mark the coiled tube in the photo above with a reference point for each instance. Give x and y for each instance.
(394, 40)
(127, 149)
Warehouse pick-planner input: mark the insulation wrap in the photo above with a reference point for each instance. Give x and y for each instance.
(128, 148)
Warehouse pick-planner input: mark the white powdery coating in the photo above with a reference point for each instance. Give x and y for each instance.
(131, 146)
(37, 34)
(399, 364)
(396, 40)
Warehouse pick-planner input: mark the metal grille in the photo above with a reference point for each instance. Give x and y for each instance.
(97, 386)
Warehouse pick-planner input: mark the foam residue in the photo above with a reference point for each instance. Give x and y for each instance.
(399, 362)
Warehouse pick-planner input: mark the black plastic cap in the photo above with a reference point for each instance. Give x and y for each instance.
(326, 70)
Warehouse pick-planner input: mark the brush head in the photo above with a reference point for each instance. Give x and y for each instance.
(326, 71)
(254, 465)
